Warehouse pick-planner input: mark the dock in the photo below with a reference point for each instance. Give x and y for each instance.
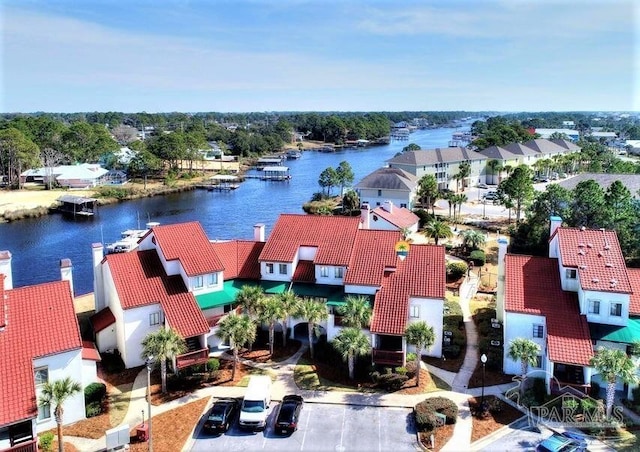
(77, 206)
(275, 173)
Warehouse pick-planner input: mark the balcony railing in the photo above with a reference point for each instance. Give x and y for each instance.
(192, 358)
(388, 357)
(561, 387)
(25, 446)
(213, 321)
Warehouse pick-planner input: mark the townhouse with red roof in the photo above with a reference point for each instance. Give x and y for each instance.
(178, 279)
(389, 217)
(39, 342)
(582, 296)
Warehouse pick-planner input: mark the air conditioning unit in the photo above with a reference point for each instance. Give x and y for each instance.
(448, 333)
(495, 343)
(495, 325)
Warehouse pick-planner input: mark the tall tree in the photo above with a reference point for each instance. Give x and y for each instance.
(464, 171)
(356, 312)
(344, 175)
(495, 166)
(350, 343)
(526, 351)
(313, 312)
(589, 205)
(162, 345)
(422, 336)
(411, 147)
(251, 297)
(428, 191)
(237, 330)
(519, 187)
(472, 238)
(328, 179)
(289, 302)
(17, 153)
(437, 230)
(56, 394)
(612, 364)
(350, 201)
(271, 312)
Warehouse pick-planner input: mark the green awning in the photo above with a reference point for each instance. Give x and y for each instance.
(332, 294)
(225, 296)
(274, 287)
(627, 334)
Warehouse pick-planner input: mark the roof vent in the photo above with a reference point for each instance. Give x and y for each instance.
(600, 253)
(607, 247)
(582, 228)
(589, 245)
(582, 267)
(613, 281)
(581, 245)
(595, 280)
(608, 265)
(581, 253)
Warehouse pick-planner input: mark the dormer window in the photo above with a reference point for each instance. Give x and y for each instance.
(212, 279)
(198, 282)
(594, 306)
(571, 273)
(324, 272)
(339, 273)
(269, 268)
(615, 310)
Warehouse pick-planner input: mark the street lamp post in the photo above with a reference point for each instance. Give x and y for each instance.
(149, 362)
(483, 358)
(484, 209)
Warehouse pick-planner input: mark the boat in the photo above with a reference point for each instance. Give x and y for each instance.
(292, 155)
(129, 239)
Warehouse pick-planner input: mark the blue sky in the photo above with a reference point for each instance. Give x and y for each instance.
(319, 55)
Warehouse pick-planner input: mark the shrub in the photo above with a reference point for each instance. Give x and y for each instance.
(401, 370)
(478, 257)
(411, 369)
(539, 389)
(46, 441)
(213, 365)
(411, 357)
(456, 270)
(425, 421)
(95, 392)
(423, 216)
(375, 375)
(595, 389)
(451, 351)
(93, 409)
(440, 405)
(392, 382)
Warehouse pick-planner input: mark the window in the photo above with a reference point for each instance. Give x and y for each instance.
(324, 272)
(538, 330)
(403, 205)
(212, 279)
(538, 363)
(594, 306)
(41, 375)
(198, 282)
(283, 269)
(154, 318)
(269, 268)
(44, 412)
(616, 310)
(379, 192)
(339, 272)
(571, 273)
(414, 311)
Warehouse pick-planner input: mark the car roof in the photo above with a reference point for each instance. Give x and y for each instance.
(556, 442)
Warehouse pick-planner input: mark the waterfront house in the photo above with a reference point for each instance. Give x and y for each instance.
(39, 342)
(178, 279)
(580, 297)
(443, 164)
(572, 134)
(86, 175)
(389, 217)
(388, 184)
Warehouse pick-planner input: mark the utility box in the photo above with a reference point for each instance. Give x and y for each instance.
(142, 432)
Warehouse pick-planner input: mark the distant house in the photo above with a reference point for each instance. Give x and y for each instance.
(573, 135)
(85, 175)
(443, 164)
(39, 342)
(389, 218)
(388, 184)
(631, 181)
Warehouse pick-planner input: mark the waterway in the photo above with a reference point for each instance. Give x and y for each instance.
(38, 245)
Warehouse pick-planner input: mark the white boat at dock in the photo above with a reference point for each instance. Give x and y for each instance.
(292, 155)
(129, 239)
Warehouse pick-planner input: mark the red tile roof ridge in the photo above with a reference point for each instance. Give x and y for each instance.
(400, 216)
(634, 300)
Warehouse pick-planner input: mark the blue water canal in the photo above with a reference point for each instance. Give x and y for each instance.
(37, 245)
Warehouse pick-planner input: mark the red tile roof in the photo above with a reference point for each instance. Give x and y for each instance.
(41, 321)
(373, 251)
(90, 352)
(532, 286)
(239, 258)
(597, 256)
(102, 319)
(333, 236)
(188, 243)
(140, 280)
(399, 216)
(420, 275)
(2, 307)
(634, 279)
(305, 272)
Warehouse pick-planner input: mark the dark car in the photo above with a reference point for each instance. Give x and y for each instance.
(221, 415)
(288, 415)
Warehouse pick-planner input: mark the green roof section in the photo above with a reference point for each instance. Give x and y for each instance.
(222, 297)
(627, 334)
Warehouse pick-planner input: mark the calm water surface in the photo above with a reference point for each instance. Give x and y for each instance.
(37, 245)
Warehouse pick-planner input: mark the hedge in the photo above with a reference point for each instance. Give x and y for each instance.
(95, 392)
(456, 269)
(478, 257)
(440, 405)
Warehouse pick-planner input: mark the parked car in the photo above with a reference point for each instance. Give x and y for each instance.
(563, 175)
(288, 415)
(561, 443)
(255, 405)
(482, 185)
(221, 416)
(490, 195)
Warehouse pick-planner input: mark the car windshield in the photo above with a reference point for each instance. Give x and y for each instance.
(217, 413)
(253, 406)
(286, 412)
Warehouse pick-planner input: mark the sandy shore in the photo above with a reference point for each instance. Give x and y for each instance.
(14, 200)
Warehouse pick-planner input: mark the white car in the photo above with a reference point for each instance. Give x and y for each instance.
(482, 185)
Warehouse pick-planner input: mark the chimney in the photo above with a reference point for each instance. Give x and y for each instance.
(97, 252)
(3, 305)
(555, 223)
(5, 269)
(66, 272)
(388, 206)
(502, 252)
(258, 232)
(365, 218)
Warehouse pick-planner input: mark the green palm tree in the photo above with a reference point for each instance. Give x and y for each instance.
(56, 394)
(351, 342)
(162, 345)
(496, 168)
(271, 312)
(356, 312)
(437, 230)
(458, 200)
(250, 297)
(524, 350)
(313, 312)
(612, 364)
(237, 330)
(422, 336)
(464, 171)
(472, 238)
(289, 302)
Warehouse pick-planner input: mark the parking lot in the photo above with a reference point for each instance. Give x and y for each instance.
(324, 427)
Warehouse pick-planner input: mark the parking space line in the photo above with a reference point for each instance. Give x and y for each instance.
(379, 432)
(340, 447)
(306, 427)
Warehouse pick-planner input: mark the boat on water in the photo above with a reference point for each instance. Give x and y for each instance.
(292, 155)
(129, 239)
